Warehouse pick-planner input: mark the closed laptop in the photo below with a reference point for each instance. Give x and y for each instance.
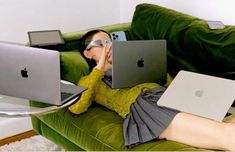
(199, 94)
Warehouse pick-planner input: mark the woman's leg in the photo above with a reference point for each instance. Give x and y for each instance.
(200, 132)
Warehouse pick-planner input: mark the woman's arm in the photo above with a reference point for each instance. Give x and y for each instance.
(91, 81)
(168, 80)
(87, 96)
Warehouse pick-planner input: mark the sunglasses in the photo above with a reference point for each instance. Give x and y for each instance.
(97, 43)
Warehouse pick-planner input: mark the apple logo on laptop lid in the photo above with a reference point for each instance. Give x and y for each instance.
(24, 73)
(199, 93)
(140, 63)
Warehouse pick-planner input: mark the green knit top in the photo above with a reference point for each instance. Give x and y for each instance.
(118, 100)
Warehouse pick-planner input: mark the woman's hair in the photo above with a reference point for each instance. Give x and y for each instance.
(85, 40)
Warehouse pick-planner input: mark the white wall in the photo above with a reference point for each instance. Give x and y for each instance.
(19, 16)
(222, 10)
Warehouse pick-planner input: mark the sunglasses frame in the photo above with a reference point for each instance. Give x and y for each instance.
(97, 43)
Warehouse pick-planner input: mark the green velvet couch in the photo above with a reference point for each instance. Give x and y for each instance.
(191, 46)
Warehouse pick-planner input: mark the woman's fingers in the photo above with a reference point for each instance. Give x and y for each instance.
(105, 60)
(109, 53)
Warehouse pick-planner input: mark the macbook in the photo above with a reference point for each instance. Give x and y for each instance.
(48, 37)
(34, 74)
(136, 62)
(199, 94)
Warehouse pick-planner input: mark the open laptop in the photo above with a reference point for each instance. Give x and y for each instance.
(47, 39)
(199, 94)
(136, 62)
(34, 74)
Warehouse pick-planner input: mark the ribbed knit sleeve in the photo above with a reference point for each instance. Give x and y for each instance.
(87, 96)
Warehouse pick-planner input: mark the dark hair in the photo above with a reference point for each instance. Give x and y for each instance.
(84, 41)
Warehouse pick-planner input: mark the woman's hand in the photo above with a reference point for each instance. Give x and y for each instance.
(105, 61)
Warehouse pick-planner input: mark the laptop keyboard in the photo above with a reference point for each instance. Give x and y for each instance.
(65, 95)
(108, 78)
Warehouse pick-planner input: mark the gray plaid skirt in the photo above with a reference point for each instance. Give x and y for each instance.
(146, 120)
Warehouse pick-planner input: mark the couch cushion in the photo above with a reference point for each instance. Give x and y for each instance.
(99, 129)
(47, 132)
(73, 66)
(191, 44)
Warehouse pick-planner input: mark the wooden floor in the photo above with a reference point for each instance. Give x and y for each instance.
(17, 137)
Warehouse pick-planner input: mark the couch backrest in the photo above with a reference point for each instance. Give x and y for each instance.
(191, 44)
(72, 39)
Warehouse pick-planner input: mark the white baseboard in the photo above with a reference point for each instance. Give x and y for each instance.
(13, 126)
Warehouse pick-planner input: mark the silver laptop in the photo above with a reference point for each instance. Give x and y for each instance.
(199, 94)
(33, 74)
(136, 62)
(48, 37)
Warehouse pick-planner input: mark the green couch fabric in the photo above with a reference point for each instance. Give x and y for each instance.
(191, 45)
(73, 60)
(98, 129)
(42, 129)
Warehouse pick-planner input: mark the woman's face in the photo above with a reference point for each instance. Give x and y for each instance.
(95, 51)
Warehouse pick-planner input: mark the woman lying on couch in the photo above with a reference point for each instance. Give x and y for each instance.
(144, 120)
